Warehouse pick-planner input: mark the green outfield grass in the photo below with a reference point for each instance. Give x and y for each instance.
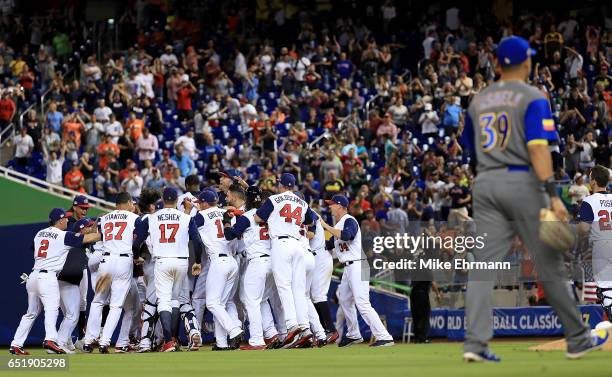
(431, 360)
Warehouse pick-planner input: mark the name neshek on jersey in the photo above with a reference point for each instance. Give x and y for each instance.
(169, 232)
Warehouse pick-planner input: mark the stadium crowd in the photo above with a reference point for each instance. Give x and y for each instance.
(341, 103)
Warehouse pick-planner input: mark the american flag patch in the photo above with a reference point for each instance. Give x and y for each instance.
(589, 292)
(548, 124)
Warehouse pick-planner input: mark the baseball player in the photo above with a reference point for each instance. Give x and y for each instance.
(596, 217)
(515, 180)
(69, 280)
(170, 231)
(222, 272)
(78, 211)
(51, 246)
(148, 205)
(353, 290)
(285, 213)
(321, 279)
(117, 229)
(257, 280)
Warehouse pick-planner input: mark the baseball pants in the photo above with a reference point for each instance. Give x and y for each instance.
(198, 298)
(289, 276)
(149, 314)
(313, 317)
(354, 291)
(222, 275)
(507, 204)
(321, 276)
(70, 302)
(120, 269)
(256, 277)
(43, 294)
(130, 311)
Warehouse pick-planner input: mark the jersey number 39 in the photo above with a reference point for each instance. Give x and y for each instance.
(495, 130)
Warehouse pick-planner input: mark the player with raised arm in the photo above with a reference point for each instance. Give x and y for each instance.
(354, 290)
(507, 127)
(51, 246)
(117, 229)
(222, 272)
(285, 213)
(170, 231)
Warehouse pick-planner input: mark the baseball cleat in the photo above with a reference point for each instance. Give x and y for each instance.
(124, 349)
(217, 348)
(472, 357)
(234, 343)
(383, 343)
(304, 340)
(346, 341)
(143, 349)
(16, 350)
(252, 348)
(273, 342)
(53, 347)
(169, 346)
(319, 343)
(195, 341)
(598, 339)
(87, 348)
(332, 337)
(103, 349)
(67, 349)
(292, 333)
(70, 345)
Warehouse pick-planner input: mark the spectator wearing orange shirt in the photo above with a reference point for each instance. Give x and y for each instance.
(7, 110)
(184, 95)
(134, 126)
(74, 179)
(106, 149)
(73, 123)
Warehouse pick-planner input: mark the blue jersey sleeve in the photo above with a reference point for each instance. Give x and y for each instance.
(194, 236)
(585, 214)
(141, 231)
(311, 217)
(265, 210)
(235, 231)
(73, 239)
(539, 124)
(329, 244)
(467, 137)
(349, 231)
(198, 219)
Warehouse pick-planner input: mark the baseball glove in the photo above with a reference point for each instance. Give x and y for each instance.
(555, 233)
(103, 283)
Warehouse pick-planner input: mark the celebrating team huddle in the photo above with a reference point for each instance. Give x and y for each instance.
(245, 256)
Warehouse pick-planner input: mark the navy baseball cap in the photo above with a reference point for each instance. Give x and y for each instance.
(170, 194)
(208, 196)
(159, 205)
(513, 50)
(57, 214)
(287, 180)
(81, 201)
(83, 223)
(299, 194)
(338, 199)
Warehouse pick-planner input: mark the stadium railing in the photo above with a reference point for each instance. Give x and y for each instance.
(44, 186)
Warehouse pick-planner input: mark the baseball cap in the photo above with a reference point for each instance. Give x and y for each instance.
(338, 199)
(159, 205)
(170, 194)
(208, 196)
(513, 50)
(299, 194)
(287, 180)
(56, 214)
(81, 201)
(83, 223)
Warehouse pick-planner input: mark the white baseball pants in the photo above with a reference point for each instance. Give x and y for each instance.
(290, 279)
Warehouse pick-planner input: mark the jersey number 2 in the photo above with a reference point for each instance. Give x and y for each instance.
(604, 220)
(42, 250)
(162, 231)
(291, 215)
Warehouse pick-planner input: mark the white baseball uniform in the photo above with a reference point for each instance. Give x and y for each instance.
(51, 246)
(285, 213)
(353, 289)
(596, 209)
(309, 266)
(324, 266)
(257, 280)
(222, 272)
(117, 228)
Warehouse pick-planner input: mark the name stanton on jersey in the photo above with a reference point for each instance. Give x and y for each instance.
(115, 216)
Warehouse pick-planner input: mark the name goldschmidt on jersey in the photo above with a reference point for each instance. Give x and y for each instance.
(437, 264)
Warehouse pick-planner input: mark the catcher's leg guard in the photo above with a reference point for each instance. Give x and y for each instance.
(149, 319)
(192, 328)
(604, 295)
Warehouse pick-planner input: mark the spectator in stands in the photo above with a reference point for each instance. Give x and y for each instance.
(187, 141)
(147, 147)
(452, 115)
(105, 150)
(55, 164)
(156, 181)
(577, 191)
(133, 184)
(94, 132)
(114, 129)
(429, 121)
(74, 179)
(183, 161)
(166, 166)
(184, 96)
(24, 145)
(54, 118)
(134, 127)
